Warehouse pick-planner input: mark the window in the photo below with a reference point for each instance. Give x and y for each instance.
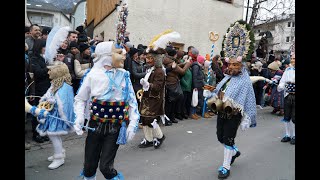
(287, 39)
(292, 37)
(293, 24)
(289, 24)
(258, 30)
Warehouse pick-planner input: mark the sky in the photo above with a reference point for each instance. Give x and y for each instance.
(280, 6)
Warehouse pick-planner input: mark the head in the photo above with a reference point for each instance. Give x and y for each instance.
(44, 33)
(39, 47)
(27, 31)
(134, 54)
(234, 65)
(273, 67)
(35, 31)
(200, 60)
(189, 48)
(171, 52)
(84, 49)
(180, 55)
(128, 45)
(142, 55)
(59, 73)
(64, 45)
(194, 54)
(74, 47)
(72, 36)
(293, 59)
(103, 54)
(118, 56)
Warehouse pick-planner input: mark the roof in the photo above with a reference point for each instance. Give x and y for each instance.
(42, 6)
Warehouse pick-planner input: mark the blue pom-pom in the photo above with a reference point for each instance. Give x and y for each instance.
(122, 139)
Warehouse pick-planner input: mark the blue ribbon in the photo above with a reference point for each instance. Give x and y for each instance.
(122, 139)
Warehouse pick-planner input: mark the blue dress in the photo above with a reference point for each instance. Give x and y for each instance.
(63, 108)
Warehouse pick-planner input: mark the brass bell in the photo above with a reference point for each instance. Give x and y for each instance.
(102, 109)
(113, 116)
(110, 110)
(228, 107)
(215, 104)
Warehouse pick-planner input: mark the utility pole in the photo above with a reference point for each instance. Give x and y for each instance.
(247, 11)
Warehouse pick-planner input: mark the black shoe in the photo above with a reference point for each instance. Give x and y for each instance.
(168, 123)
(37, 139)
(173, 120)
(45, 138)
(178, 116)
(235, 156)
(157, 142)
(223, 173)
(286, 139)
(185, 116)
(144, 144)
(293, 140)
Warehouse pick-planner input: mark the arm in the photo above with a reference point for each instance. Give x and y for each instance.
(80, 100)
(183, 70)
(195, 70)
(282, 82)
(39, 72)
(134, 115)
(135, 73)
(77, 69)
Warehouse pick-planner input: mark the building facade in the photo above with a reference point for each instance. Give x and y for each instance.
(282, 32)
(47, 15)
(192, 19)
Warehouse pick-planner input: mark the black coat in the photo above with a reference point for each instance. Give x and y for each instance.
(41, 77)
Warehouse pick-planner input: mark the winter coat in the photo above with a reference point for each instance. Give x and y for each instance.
(81, 65)
(138, 72)
(197, 76)
(41, 77)
(186, 81)
(173, 76)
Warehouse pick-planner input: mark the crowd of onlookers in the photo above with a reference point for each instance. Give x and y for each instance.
(188, 69)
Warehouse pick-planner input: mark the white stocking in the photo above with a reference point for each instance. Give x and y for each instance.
(293, 129)
(90, 178)
(157, 132)
(148, 133)
(56, 143)
(228, 153)
(287, 128)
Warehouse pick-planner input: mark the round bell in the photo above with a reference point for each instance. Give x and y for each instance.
(120, 117)
(102, 109)
(124, 110)
(97, 114)
(113, 116)
(94, 107)
(105, 116)
(91, 111)
(110, 110)
(118, 109)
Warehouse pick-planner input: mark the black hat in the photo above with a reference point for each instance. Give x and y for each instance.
(171, 51)
(46, 30)
(80, 29)
(83, 47)
(140, 46)
(73, 44)
(133, 51)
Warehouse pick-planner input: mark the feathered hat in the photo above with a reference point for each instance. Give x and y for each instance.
(163, 39)
(55, 38)
(237, 42)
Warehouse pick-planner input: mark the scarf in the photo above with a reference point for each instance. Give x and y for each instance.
(240, 93)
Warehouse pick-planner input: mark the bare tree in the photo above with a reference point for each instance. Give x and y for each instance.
(268, 10)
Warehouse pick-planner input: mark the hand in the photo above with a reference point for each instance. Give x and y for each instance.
(78, 129)
(174, 65)
(146, 86)
(268, 81)
(206, 93)
(130, 133)
(142, 81)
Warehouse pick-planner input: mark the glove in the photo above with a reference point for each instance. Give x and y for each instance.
(206, 93)
(77, 127)
(146, 86)
(142, 81)
(130, 133)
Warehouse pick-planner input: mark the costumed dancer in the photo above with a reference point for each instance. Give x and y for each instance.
(153, 97)
(233, 99)
(113, 111)
(287, 83)
(57, 100)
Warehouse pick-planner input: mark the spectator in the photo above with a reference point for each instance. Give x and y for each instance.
(83, 64)
(44, 33)
(34, 34)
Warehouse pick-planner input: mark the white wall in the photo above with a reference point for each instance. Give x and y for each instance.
(58, 19)
(281, 32)
(193, 19)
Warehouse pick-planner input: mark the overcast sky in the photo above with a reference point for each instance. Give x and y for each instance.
(280, 6)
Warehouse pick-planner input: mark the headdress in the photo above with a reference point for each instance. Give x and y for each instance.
(163, 39)
(59, 72)
(55, 38)
(238, 41)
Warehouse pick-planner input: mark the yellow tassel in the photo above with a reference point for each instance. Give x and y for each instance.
(155, 38)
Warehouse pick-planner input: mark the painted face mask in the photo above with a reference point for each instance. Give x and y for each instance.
(118, 57)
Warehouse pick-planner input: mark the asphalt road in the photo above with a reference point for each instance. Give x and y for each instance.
(183, 155)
